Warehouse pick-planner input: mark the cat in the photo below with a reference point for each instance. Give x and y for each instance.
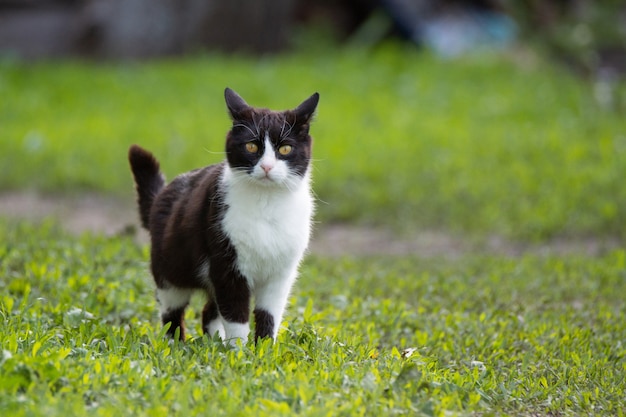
(234, 230)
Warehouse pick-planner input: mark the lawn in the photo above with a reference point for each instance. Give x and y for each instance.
(528, 336)
(492, 146)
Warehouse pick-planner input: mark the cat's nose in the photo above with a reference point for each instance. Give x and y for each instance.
(267, 167)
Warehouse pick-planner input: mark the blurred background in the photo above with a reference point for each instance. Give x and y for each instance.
(488, 119)
(590, 36)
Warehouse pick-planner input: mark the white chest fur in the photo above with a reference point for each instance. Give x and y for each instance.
(269, 226)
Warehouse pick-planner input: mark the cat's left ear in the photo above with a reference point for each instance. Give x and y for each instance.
(305, 111)
(236, 105)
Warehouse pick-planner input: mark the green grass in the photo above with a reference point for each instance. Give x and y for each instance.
(482, 145)
(530, 336)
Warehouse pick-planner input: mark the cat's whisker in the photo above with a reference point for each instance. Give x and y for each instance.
(315, 168)
(286, 134)
(318, 199)
(257, 124)
(256, 128)
(214, 152)
(288, 131)
(247, 127)
(289, 184)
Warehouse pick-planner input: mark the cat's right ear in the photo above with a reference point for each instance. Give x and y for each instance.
(236, 105)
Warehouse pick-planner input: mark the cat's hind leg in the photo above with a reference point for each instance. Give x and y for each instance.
(173, 301)
(211, 320)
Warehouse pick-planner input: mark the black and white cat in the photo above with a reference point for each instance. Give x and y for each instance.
(234, 230)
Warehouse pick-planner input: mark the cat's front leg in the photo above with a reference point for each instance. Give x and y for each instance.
(271, 299)
(232, 296)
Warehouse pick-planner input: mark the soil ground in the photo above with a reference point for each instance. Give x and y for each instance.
(109, 215)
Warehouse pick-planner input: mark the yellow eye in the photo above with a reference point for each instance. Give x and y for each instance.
(285, 149)
(252, 147)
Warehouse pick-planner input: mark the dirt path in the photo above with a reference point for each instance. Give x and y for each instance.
(101, 214)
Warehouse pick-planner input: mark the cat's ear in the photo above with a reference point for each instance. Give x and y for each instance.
(305, 111)
(236, 105)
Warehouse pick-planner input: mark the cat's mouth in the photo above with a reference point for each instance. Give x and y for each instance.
(263, 178)
(266, 177)
(269, 179)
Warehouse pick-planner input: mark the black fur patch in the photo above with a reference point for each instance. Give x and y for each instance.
(264, 322)
(209, 313)
(176, 317)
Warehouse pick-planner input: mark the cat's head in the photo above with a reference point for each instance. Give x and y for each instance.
(270, 147)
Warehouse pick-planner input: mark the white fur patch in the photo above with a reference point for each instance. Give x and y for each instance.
(173, 298)
(268, 226)
(216, 326)
(268, 167)
(270, 229)
(203, 272)
(236, 331)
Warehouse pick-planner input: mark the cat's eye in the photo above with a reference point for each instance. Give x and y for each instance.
(252, 147)
(285, 149)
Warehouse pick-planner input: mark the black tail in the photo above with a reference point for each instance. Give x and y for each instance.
(148, 180)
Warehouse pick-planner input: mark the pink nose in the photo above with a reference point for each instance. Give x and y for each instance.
(267, 167)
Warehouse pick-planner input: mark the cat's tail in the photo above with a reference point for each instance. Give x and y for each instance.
(148, 180)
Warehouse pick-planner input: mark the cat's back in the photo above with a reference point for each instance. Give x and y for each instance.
(183, 211)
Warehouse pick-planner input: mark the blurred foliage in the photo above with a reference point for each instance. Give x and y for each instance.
(587, 35)
(488, 144)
